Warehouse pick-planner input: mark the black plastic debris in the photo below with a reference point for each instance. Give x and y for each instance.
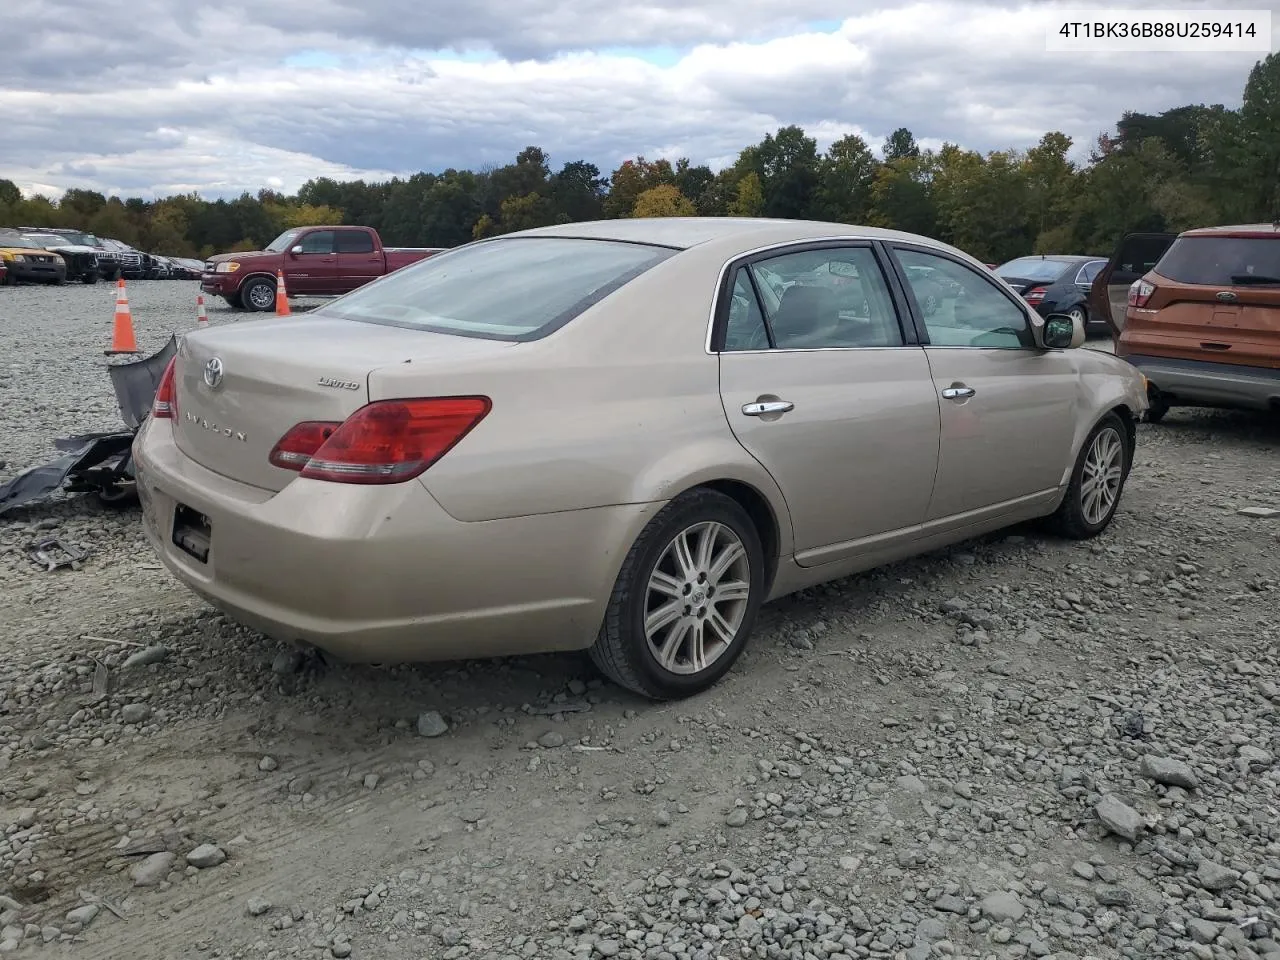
(53, 553)
(99, 463)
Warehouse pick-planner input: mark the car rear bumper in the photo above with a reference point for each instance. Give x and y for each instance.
(384, 574)
(1202, 382)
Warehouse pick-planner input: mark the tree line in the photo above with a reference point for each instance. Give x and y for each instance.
(1193, 165)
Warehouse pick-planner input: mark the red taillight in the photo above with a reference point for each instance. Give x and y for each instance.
(300, 444)
(1034, 295)
(387, 441)
(165, 405)
(1140, 292)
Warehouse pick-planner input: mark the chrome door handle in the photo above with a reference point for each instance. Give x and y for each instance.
(764, 408)
(958, 393)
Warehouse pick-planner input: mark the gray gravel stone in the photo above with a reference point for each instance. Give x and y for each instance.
(1118, 817)
(1214, 876)
(1203, 931)
(206, 855)
(149, 872)
(1170, 772)
(431, 724)
(135, 712)
(84, 915)
(147, 656)
(1003, 906)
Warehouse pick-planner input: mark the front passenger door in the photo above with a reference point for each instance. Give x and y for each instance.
(1008, 408)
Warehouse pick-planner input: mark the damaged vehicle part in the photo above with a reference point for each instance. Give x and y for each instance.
(53, 553)
(100, 463)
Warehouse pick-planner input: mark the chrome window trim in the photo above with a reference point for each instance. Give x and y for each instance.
(722, 277)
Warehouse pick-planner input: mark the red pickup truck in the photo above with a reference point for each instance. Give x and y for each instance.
(316, 261)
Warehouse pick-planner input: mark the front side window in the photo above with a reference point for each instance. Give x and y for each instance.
(820, 299)
(511, 288)
(318, 241)
(960, 307)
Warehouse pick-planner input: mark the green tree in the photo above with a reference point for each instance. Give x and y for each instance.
(576, 192)
(749, 198)
(901, 195)
(1051, 186)
(787, 164)
(900, 145)
(846, 173)
(525, 213)
(664, 200)
(1259, 138)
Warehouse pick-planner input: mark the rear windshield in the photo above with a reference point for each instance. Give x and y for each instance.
(1032, 268)
(1222, 261)
(518, 288)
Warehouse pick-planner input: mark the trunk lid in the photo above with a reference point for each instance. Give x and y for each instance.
(277, 373)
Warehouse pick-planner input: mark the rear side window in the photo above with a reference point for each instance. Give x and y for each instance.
(1222, 261)
(1032, 268)
(354, 241)
(517, 288)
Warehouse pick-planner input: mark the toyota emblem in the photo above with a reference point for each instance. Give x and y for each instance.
(213, 372)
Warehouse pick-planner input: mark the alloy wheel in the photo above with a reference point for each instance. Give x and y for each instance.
(696, 599)
(1100, 479)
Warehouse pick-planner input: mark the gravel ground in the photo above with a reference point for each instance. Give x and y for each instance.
(1020, 747)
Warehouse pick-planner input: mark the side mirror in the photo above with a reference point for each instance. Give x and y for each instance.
(1062, 332)
(296, 249)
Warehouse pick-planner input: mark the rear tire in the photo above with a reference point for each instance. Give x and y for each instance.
(1097, 482)
(666, 633)
(1157, 407)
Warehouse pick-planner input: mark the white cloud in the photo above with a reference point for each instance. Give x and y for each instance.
(175, 105)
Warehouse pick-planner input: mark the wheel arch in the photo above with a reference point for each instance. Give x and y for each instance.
(258, 275)
(762, 514)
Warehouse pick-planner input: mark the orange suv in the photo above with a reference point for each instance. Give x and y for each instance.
(1203, 323)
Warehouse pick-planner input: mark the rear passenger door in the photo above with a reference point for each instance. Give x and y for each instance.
(358, 261)
(827, 388)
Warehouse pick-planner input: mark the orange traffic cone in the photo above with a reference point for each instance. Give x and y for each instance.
(122, 339)
(202, 318)
(282, 297)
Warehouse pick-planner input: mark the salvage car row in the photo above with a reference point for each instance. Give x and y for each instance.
(55, 255)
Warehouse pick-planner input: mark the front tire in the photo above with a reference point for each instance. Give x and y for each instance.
(685, 600)
(1097, 482)
(258, 295)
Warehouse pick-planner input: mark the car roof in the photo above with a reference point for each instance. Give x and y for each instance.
(683, 233)
(1236, 230)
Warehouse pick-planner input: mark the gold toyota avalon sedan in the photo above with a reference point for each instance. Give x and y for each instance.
(620, 436)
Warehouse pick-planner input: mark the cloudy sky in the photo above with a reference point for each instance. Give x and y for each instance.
(163, 96)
